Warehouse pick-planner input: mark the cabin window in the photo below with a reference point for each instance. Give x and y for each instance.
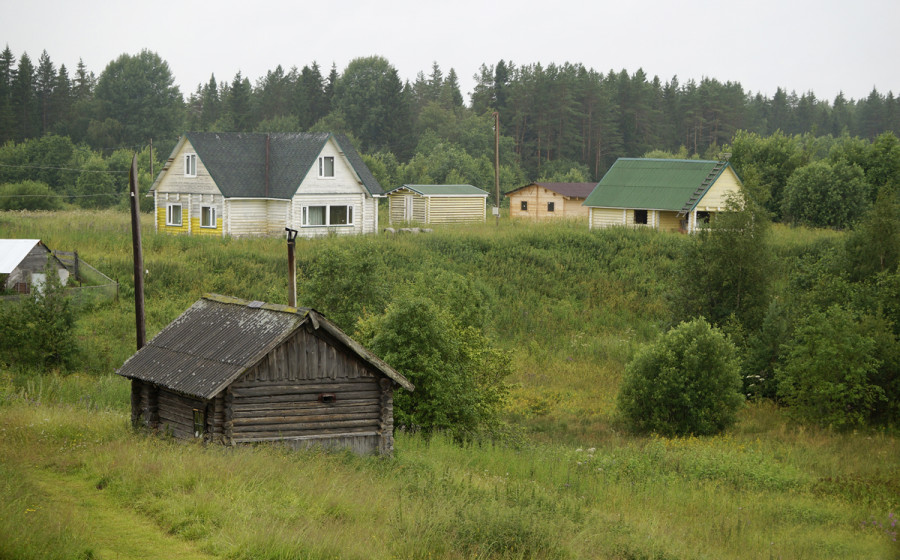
(190, 165)
(327, 398)
(551, 206)
(524, 206)
(199, 422)
(208, 216)
(640, 217)
(327, 215)
(326, 166)
(703, 218)
(173, 215)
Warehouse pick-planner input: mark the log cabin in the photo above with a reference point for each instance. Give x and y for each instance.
(437, 204)
(545, 201)
(246, 184)
(234, 371)
(678, 195)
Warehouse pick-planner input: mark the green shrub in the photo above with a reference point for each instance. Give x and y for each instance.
(28, 195)
(686, 383)
(458, 374)
(827, 374)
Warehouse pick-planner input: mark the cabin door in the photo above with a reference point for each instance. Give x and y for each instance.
(408, 208)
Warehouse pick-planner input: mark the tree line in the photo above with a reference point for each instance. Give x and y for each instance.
(71, 136)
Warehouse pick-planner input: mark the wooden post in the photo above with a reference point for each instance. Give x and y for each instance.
(497, 162)
(292, 267)
(138, 257)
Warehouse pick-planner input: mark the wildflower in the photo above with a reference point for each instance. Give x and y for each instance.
(591, 449)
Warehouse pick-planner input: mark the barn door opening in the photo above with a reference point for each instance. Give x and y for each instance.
(199, 422)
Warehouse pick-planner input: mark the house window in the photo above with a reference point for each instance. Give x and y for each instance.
(173, 215)
(703, 218)
(199, 422)
(326, 166)
(190, 165)
(327, 215)
(640, 217)
(208, 216)
(524, 206)
(551, 206)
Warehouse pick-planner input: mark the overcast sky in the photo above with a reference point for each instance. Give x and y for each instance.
(825, 46)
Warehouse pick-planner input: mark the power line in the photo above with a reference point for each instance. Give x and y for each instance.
(61, 168)
(58, 195)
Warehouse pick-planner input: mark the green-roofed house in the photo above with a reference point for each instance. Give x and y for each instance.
(244, 184)
(664, 194)
(437, 204)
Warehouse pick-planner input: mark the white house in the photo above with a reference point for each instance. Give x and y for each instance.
(258, 184)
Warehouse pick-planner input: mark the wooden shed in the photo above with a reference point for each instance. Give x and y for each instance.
(543, 201)
(236, 371)
(437, 204)
(663, 194)
(23, 265)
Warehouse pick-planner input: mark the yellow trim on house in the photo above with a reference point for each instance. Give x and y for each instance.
(161, 221)
(197, 230)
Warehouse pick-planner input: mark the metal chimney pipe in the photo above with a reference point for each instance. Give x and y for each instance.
(292, 267)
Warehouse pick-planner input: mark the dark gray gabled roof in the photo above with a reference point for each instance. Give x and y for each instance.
(237, 161)
(219, 338)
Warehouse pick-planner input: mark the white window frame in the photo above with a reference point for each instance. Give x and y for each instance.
(322, 174)
(170, 214)
(212, 215)
(190, 165)
(351, 214)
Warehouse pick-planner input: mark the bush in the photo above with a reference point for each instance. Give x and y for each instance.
(28, 195)
(43, 324)
(458, 374)
(687, 383)
(827, 375)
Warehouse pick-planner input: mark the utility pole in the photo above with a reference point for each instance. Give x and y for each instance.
(497, 165)
(138, 256)
(292, 267)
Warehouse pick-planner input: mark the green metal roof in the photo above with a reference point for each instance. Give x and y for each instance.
(443, 190)
(652, 184)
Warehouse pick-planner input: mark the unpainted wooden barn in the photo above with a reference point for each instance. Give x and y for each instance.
(545, 201)
(236, 371)
(437, 204)
(24, 264)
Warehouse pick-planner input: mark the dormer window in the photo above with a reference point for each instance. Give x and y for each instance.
(190, 165)
(326, 166)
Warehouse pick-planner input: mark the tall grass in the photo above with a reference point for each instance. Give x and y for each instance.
(571, 305)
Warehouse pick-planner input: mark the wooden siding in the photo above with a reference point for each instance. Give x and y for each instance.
(670, 221)
(176, 414)
(162, 202)
(606, 217)
(173, 180)
(365, 213)
(281, 398)
(33, 266)
(256, 216)
(538, 198)
(448, 210)
(715, 199)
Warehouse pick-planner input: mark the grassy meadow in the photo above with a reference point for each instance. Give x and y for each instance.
(571, 306)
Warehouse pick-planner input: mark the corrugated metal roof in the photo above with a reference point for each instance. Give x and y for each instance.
(652, 184)
(443, 190)
(13, 251)
(572, 190)
(236, 161)
(218, 338)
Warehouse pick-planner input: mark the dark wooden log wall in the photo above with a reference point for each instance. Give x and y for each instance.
(282, 397)
(176, 413)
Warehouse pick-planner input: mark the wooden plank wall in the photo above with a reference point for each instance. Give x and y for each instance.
(446, 210)
(279, 399)
(176, 413)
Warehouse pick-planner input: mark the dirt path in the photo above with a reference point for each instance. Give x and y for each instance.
(113, 532)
